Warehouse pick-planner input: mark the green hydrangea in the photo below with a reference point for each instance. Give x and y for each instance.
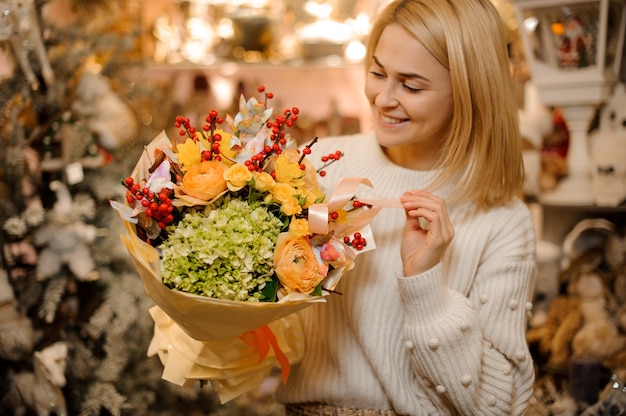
(223, 252)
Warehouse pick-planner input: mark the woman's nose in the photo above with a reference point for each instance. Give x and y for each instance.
(387, 96)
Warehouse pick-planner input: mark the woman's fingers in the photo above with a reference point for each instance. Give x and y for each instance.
(428, 231)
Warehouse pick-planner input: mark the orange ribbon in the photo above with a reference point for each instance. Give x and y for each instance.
(263, 338)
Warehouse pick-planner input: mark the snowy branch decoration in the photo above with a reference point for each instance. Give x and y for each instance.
(19, 25)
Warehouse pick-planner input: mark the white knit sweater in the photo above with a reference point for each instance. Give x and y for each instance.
(448, 341)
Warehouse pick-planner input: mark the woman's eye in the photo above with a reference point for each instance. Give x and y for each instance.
(377, 74)
(412, 89)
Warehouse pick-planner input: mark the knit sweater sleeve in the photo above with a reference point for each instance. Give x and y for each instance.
(468, 350)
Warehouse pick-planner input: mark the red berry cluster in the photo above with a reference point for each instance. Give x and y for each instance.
(186, 129)
(357, 241)
(157, 206)
(208, 132)
(277, 136)
(329, 160)
(268, 95)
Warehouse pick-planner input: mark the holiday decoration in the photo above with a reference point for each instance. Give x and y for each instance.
(574, 50)
(608, 152)
(104, 112)
(19, 25)
(65, 238)
(18, 337)
(104, 323)
(40, 391)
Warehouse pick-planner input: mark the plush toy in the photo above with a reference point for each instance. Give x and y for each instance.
(547, 283)
(65, 240)
(554, 337)
(41, 390)
(554, 154)
(105, 112)
(612, 399)
(535, 124)
(608, 151)
(580, 322)
(599, 337)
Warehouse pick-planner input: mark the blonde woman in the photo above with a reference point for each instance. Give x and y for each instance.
(431, 322)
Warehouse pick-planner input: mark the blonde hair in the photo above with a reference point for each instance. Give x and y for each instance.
(483, 146)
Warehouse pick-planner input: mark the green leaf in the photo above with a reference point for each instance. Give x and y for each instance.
(317, 291)
(270, 290)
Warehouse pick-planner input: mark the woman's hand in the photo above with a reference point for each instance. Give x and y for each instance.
(423, 247)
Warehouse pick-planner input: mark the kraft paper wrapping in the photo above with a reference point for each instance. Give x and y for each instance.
(198, 338)
(204, 318)
(229, 364)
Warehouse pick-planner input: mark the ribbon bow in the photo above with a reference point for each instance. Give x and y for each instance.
(318, 213)
(263, 339)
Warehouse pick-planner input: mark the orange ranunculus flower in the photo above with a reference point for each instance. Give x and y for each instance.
(205, 180)
(296, 265)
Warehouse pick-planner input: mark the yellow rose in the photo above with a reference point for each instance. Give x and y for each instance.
(283, 192)
(299, 227)
(263, 182)
(313, 196)
(291, 207)
(237, 176)
(296, 265)
(205, 180)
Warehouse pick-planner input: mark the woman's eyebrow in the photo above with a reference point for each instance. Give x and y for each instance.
(405, 75)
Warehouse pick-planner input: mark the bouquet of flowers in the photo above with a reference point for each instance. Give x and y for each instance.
(232, 234)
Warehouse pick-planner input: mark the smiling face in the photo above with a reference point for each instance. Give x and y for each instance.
(410, 93)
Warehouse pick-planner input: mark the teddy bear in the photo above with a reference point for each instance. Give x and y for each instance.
(617, 362)
(599, 336)
(580, 321)
(608, 151)
(553, 338)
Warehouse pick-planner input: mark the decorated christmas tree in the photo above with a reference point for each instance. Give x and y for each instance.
(74, 321)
